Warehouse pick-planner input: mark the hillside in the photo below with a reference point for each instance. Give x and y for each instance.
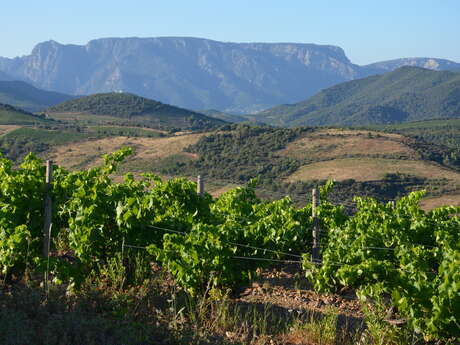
(138, 110)
(4, 76)
(197, 73)
(406, 94)
(29, 98)
(224, 116)
(287, 161)
(10, 115)
(378, 162)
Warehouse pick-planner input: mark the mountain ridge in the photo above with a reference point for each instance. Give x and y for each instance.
(195, 73)
(402, 95)
(25, 96)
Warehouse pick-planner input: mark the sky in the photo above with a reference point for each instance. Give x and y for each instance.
(368, 30)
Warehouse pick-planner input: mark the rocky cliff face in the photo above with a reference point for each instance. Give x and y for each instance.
(189, 72)
(429, 63)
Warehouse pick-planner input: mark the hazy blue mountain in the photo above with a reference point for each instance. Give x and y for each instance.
(27, 97)
(188, 72)
(224, 116)
(428, 63)
(406, 94)
(4, 76)
(191, 72)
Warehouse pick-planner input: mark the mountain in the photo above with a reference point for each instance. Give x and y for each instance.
(136, 109)
(428, 63)
(188, 72)
(10, 115)
(27, 97)
(4, 76)
(193, 73)
(224, 116)
(406, 94)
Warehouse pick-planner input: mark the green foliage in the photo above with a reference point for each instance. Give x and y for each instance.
(384, 250)
(406, 94)
(21, 211)
(140, 109)
(243, 152)
(401, 251)
(10, 115)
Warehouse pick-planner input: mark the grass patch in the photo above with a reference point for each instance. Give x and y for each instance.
(369, 169)
(443, 200)
(148, 151)
(328, 144)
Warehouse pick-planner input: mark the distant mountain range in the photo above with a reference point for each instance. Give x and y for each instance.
(197, 73)
(29, 98)
(4, 76)
(406, 94)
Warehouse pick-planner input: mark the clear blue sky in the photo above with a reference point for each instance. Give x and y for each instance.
(368, 30)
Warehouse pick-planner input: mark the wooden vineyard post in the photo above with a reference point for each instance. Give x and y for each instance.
(315, 251)
(200, 185)
(48, 208)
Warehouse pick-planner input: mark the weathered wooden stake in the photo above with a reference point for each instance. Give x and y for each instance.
(48, 207)
(315, 252)
(200, 185)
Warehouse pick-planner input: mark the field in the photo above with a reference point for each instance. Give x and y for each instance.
(4, 129)
(147, 150)
(371, 169)
(334, 143)
(447, 199)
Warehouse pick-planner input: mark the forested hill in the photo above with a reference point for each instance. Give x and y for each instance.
(29, 98)
(132, 107)
(406, 94)
(10, 115)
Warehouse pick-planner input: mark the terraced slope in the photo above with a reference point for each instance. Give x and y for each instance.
(359, 155)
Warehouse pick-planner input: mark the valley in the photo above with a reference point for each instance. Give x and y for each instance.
(381, 162)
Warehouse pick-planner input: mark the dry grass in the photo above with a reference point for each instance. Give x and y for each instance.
(88, 153)
(132, 127)
(218, 191)
(4, 129)
(369, 169)
(340, 131)
(444, 200)
(334, 143)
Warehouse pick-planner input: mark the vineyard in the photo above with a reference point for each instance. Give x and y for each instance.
(393, 254)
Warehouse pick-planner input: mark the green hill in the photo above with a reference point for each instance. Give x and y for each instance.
(138, 110)
(224, 116)
(27, 97)
(10, 115)
(406, 94)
